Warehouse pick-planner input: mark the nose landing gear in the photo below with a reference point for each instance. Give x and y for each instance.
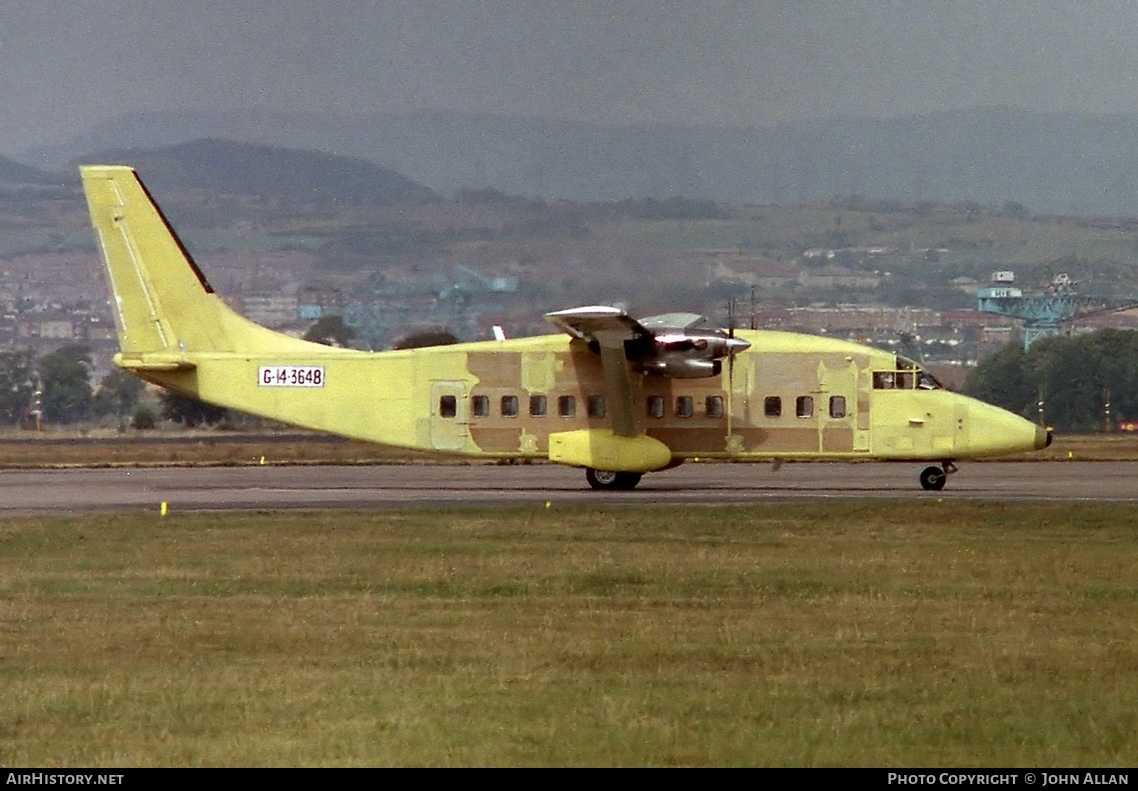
(934, 478)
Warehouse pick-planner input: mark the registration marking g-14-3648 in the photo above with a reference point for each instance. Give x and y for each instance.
(291, 376)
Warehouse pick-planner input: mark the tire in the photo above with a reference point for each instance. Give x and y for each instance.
(933, 479)
(607, 480)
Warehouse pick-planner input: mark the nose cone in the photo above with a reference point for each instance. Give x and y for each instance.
(994, 432)
(736, 345)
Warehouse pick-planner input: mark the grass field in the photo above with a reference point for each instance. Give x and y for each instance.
(22, 450)
(202, 448)
(844, 633)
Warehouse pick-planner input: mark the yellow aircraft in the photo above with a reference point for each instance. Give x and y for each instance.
(616, 396)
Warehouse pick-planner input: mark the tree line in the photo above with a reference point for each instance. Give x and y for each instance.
(56, 389)
(1079, 383)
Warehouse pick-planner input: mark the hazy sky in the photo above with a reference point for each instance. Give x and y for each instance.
(67, 66)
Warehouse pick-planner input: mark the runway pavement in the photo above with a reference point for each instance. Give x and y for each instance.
(78, 491)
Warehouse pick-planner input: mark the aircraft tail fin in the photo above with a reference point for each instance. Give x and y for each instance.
(162, 303)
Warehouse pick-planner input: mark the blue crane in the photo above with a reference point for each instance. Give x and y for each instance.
(1045, 314)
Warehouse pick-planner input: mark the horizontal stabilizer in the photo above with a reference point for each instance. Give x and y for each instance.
(153, 362)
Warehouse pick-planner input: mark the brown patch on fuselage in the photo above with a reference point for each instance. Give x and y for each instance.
(789, 439)
(502, 439)
(576, 372)
(837, 439)
(501, 370)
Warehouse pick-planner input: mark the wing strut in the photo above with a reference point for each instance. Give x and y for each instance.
(609, 328)
(618, 389)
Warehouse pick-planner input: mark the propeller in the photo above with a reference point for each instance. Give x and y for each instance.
(1049, 436)
(730, 362)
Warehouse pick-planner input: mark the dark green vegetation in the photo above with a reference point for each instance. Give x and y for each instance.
(17, 387)
(64, 377)
(57, 385)
(419, 340)
(851, 634)
(331, 331)
(1086, 382)
(189, 412)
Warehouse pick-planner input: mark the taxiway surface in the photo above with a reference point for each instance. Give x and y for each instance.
(367, 487)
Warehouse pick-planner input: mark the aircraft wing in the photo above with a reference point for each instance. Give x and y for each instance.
(672, 321)
(605, 325)
(670, 345)
(609, 328)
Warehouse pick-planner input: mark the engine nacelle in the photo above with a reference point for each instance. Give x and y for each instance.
(682, 368)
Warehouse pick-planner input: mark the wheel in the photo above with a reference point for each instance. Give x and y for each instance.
(933, 478)
(613, 481)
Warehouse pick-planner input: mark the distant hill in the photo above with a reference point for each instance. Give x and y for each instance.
(15, 173)
(250, 169)
(1049, 162)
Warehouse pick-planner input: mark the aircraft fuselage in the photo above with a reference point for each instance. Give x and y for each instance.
(788, 396)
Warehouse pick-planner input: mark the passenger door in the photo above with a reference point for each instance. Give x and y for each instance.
(450, 420)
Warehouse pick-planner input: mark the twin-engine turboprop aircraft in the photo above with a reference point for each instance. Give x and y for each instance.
(616, 396)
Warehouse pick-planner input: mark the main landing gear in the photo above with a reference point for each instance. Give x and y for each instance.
(612, 481)
(933, 478)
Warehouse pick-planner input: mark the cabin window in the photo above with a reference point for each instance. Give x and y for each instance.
(714, 406)
(772, 406)
(655, 406)
(904, 380)
(537, 406)
(596, 407)
(804, 406)
(906, 373)
(480, 406)
(509, 406)
(926, 381)
(566, 406)
(448, 406)
(684, 406)
(837, 406)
